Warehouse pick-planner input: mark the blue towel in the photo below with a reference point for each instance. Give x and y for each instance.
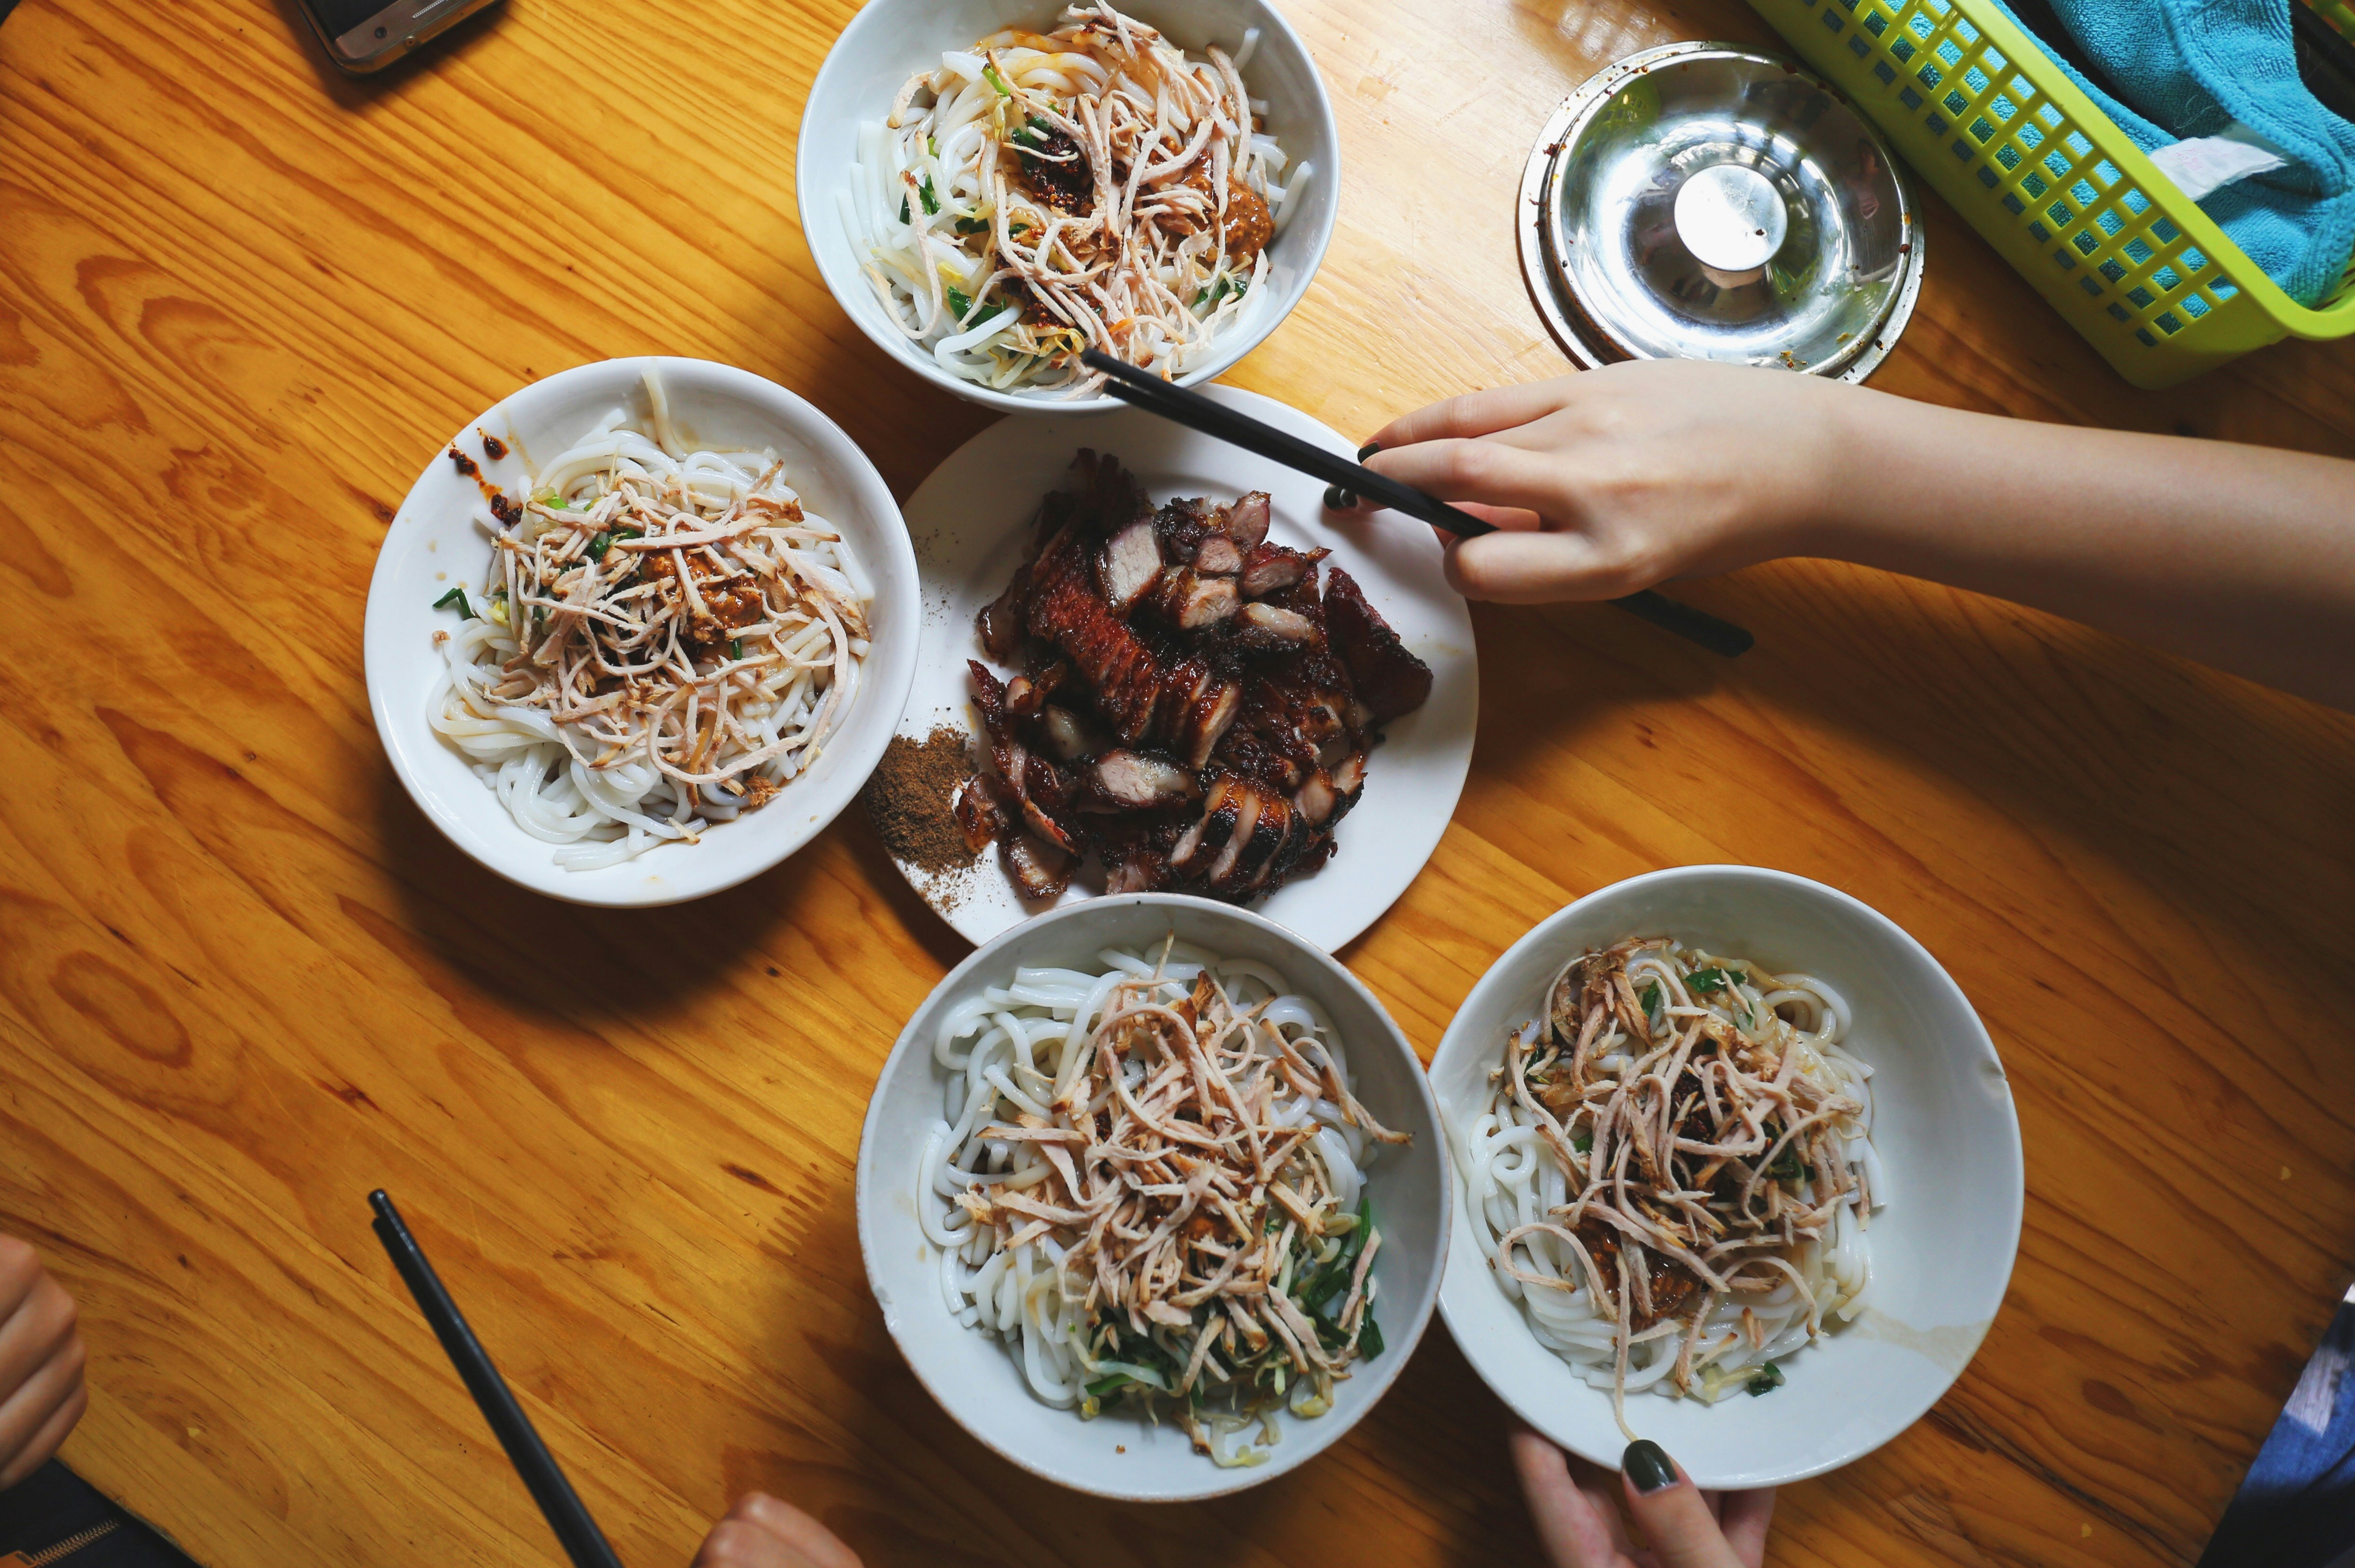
(2191, 69)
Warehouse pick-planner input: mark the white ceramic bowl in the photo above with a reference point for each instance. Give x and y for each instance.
(975, 1376)
(1943, 1125)
(433, 544)
(889, 40)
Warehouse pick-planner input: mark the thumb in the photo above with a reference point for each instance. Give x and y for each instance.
(1670, 1510)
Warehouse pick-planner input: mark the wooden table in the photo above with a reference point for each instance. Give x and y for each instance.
(242, 981)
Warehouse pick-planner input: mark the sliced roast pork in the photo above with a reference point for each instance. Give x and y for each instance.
(1247, 520)
(1192, 601)
(1219, 557)
(1265, 628)
(1270, 569)
(1122, 780)
(1391, 681)
(1130, 565)
(1196, 707)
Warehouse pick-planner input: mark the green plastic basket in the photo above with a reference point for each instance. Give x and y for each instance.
(1984, 115)
(2340, 14)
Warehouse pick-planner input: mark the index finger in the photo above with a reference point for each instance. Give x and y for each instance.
(1477, 413)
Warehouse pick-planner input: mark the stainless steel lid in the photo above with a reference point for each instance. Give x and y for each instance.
(1698, 201)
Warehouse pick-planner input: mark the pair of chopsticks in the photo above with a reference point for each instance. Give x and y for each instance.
(1184, 406)
(578, 1534)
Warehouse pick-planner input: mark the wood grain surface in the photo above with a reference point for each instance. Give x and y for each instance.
(242, 981)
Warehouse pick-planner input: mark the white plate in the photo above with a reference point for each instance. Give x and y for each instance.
(434, 545)
(1942, 1125)
(974, 1377)
(971, 521)
(889, 40)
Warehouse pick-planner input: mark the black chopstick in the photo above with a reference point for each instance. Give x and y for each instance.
(1188, 407)
(578, 1534)
(1142, 389)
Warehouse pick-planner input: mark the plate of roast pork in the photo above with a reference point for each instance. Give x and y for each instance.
(1150, 661)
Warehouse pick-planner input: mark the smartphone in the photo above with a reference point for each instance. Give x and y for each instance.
(362, 36)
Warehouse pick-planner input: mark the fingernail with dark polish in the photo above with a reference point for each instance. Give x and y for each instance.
(1648, 1467)
(1367, 451)
(1338, 499)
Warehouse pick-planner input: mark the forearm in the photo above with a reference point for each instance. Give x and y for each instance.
(2238, 556)
(1610, 481)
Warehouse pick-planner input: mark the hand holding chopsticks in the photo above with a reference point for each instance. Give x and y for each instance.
(1184, 406)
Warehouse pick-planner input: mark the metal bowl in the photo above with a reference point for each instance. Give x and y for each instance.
(1698, 201)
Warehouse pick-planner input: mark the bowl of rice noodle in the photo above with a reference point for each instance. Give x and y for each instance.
(989, 185)
(1223, 1168)
(716, 450)
(1777, 1102)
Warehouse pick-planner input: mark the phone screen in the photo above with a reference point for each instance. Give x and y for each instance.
(340, 16)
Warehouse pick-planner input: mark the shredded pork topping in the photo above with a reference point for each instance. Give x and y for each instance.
(1183, 1166)
(662, 637)
(1710, 1153)
(1037, 195)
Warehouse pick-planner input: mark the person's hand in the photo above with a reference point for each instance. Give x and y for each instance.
(1576, 1509)
(761, 1532)
(1612, 480)
(41, 1392)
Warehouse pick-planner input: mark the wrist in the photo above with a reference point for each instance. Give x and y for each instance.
(1837, 493)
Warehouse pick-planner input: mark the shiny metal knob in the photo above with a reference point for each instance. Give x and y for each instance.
(1731, 218)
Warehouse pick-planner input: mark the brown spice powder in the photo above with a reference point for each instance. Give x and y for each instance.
(908, 800)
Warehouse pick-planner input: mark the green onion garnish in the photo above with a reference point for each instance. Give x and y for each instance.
(1359, 1232)
(931, 202)
(455, 600)
(989, 74)
(959, 305)
(735, 647)
(1225, 285)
